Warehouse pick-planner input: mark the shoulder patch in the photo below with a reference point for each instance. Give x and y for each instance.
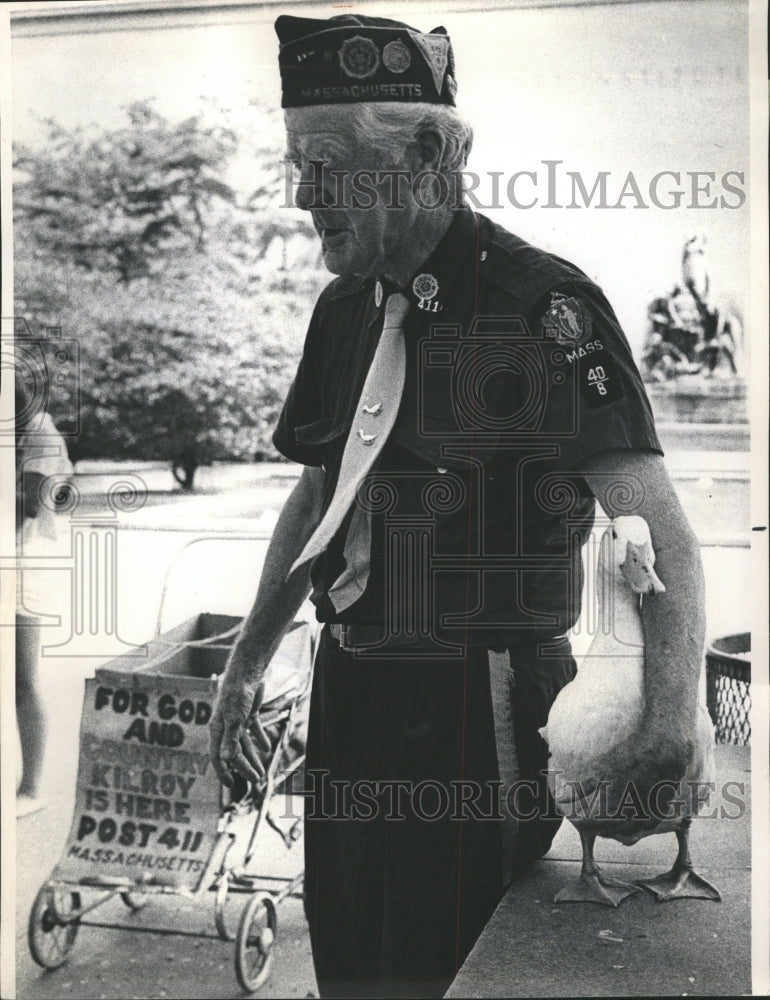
(567, 320)
(600, 382)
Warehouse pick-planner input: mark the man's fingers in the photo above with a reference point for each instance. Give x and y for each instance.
(259, 694)
(233, 748)
(223, 772)
(244, 768)
(215, 748)
(257, 732)
(251, 755)
(226, 753)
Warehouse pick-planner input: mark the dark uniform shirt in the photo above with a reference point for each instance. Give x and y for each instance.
(517, 370)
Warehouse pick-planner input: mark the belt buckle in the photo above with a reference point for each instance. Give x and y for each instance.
(339, 631)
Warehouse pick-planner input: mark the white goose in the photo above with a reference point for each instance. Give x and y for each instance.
(600, 710)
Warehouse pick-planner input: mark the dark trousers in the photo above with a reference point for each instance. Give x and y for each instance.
(404, 840)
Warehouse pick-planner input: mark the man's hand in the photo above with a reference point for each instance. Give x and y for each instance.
(234, 723)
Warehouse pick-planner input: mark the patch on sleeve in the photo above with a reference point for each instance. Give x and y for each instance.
(599, 382)
(567, 320)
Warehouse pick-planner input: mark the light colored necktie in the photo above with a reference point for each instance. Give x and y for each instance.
(373, 421)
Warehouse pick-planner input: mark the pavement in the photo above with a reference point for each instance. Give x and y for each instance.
(532, 947)
(184, 554)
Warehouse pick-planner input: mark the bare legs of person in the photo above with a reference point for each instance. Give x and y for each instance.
(30, 716)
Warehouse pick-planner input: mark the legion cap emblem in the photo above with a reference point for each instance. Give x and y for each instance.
(359, 57)
(396, 57)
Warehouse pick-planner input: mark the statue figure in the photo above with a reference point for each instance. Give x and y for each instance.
(687, 333)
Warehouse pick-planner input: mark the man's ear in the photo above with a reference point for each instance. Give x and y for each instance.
(427, 150)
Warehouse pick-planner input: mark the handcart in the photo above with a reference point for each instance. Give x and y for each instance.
(151, 818)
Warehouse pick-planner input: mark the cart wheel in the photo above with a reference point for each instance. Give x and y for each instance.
(134, 900)
(49, 934)
(220, 905)
(254, 943)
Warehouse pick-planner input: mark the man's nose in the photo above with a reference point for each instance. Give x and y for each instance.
(309, 189)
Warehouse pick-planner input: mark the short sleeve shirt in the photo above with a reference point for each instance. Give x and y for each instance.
(517, 371)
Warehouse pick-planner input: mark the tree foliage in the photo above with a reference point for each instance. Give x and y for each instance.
(172, 282)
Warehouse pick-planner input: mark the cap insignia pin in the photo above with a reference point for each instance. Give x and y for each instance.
(396, 57)
(359, 57)
(367, 439)
(373, 410)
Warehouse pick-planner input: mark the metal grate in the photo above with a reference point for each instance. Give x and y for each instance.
(728, 688)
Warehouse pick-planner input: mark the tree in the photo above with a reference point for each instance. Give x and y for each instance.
(121, 201)
(136, 245)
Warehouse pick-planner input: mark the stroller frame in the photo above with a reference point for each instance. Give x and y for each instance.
(58, 911)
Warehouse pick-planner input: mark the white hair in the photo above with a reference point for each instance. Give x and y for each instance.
(390, 127)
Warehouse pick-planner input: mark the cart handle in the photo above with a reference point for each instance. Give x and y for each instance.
(208, 641)
(256, 536)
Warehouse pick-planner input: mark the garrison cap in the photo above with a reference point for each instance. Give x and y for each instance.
(352, 58)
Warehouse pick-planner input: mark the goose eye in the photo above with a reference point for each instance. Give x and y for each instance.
(614, 533)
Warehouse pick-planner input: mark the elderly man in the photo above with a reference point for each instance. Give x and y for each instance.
(462, 401)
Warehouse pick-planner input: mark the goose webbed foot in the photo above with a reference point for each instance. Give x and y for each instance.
(680, 883)
(594, 887)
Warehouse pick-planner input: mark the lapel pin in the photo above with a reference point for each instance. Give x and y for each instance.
(425, 287)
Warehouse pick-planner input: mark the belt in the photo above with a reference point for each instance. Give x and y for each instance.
(354, 636)
(358, 636)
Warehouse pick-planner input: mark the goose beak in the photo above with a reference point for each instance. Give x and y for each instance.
(655, 584)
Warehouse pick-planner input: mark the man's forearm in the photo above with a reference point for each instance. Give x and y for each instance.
(279, 598)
